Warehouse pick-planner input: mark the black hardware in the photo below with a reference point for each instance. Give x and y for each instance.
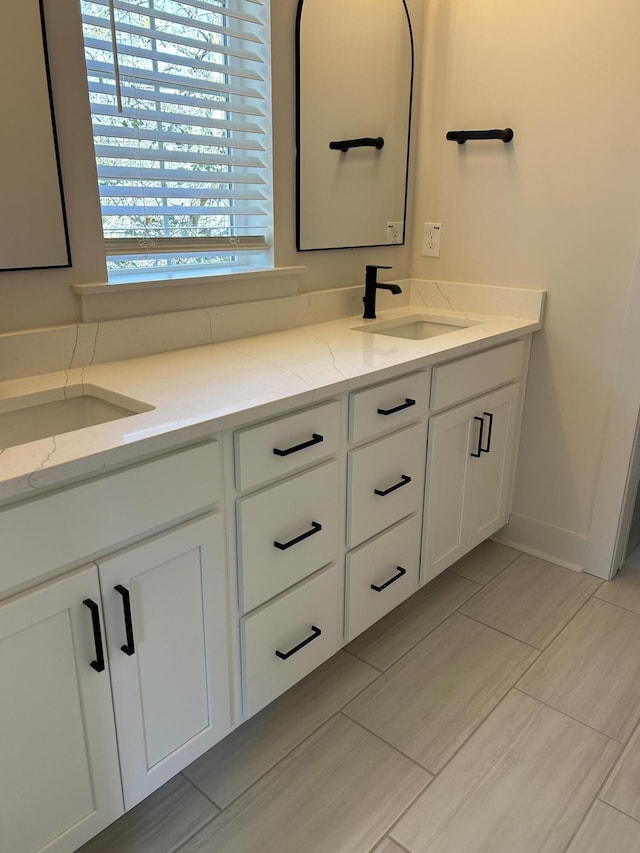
(364, 142)
(395, 578)
(315, 528)
(371, 284)
(98, 663)
(130, 647)
(316, 439)
(406, 405)
(284, 655)
(403, 482)
(487, 449)
(479, 450)
(461, 136)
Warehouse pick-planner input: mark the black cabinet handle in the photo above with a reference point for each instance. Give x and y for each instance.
(406, 405)
(487, 449)
(316, 439)
(98, 663)
(315, 634)
(479, 450)
(130, 647)
(403, 482)
(316, 527)
(395, 578)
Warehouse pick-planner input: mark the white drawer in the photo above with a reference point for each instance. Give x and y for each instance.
(301, 516)
(388, 406)
(386, 482)
(469, 377)
(303, 626)
(279, 447)
(381, 574)
(73, 524)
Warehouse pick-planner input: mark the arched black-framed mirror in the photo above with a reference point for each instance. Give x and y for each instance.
(354, 83)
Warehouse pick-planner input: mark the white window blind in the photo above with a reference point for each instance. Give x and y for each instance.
(180, 107)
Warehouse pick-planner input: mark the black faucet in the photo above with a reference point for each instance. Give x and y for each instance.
(371, 284)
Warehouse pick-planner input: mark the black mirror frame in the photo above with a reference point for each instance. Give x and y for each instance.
(406, 179)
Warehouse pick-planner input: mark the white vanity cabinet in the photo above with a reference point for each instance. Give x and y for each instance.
(144, 612)
(165, 610)
(115, 675)
(288, 542)
(59, 773)
(385, 490)
(471, 450)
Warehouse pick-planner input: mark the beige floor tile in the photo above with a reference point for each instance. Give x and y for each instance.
(521, 784)
(386, 641)
(532, 600)
(592, 670)
(246, 754)
(606, 830)
(485, 561)
(158, 824)
(388, 845)
(338, 791)
(623, 590)
(429, 702)
(622, 789)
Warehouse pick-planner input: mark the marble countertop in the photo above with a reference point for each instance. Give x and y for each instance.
(201, 390)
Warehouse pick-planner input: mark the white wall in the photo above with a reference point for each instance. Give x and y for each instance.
(559, 208)
(43, 298)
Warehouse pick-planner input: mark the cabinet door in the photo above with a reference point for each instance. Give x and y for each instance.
(170, 670)
(488, 507)
(452, 437)
(59, 775)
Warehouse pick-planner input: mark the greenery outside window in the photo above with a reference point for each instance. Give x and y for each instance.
(180, 104)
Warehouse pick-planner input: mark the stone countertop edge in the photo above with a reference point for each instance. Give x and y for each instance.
(202, 390)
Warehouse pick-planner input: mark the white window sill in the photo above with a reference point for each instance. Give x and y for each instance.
(165, 278)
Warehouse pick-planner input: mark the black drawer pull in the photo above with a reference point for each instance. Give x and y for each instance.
(395, 578)
(487, 449)
(284, 655)
(98, 663)
(403, 482)
(479, 450)
(315, 528)
(316, 439)
(406, 405)
(130, 647)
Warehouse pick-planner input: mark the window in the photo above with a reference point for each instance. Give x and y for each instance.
(179, 94)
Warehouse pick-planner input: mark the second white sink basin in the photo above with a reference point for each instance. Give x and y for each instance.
(58, 410)
(416, 327)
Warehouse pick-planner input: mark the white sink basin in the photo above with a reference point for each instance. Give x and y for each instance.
(58, 410)
(416, 327)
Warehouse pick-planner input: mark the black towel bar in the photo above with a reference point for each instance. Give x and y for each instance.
(461, 136)
(364, 141)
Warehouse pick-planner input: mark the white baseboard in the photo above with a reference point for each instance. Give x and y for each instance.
(554, 544)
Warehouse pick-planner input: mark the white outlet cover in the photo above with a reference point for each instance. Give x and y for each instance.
(394, 232)
(431, 236)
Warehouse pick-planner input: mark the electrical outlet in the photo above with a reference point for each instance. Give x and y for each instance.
(431, 239)
(394, 232)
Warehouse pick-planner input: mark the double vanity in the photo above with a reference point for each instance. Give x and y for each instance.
(187, 534)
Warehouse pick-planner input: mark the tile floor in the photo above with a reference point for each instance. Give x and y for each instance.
(496, 711)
